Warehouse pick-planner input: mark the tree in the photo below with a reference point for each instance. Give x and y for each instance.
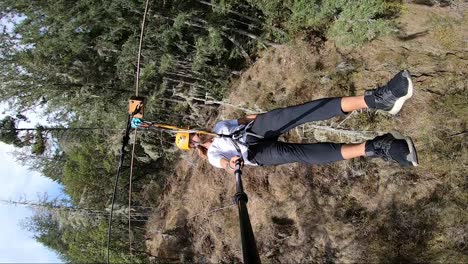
(9, 133)
(69, 53)
(78, 235)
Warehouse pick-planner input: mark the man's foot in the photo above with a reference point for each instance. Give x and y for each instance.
(393, 146)
(391, 97)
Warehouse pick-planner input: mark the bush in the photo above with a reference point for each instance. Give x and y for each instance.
(349, 23)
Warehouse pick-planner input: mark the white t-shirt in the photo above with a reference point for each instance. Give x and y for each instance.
(224, 147)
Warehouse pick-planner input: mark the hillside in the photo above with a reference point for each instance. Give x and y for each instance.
(352, 211)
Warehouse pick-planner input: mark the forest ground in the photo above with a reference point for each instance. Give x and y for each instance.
(362, 210)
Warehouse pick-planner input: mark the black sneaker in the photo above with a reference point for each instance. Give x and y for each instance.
(391, 97)
(393, 146)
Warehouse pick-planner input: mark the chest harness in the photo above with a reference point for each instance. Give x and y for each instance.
(240, 136)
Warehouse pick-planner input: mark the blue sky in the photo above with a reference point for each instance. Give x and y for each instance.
(16, 182)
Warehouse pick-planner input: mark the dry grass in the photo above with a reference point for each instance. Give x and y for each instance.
(368, 211)
(446, 33)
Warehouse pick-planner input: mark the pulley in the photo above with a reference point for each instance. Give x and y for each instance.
(136, 106)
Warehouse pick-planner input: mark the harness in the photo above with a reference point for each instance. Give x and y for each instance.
(239, 136)
(242, 132)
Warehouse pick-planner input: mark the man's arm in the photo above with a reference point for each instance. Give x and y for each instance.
(246, 119)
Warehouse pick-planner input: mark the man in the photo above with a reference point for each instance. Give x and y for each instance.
(260, 145)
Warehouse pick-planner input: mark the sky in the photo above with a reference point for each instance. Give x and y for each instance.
(16, 244)
(17, 182)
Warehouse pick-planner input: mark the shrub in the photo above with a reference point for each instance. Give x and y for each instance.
(350, 23)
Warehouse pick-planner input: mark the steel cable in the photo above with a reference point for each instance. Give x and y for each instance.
(125, 141)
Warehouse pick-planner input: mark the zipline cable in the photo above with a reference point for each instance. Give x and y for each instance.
(137, 86)
(126, 136)
(137, 81)
(125, 139)
(130, 192)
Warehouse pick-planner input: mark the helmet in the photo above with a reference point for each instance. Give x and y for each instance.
(182, 140)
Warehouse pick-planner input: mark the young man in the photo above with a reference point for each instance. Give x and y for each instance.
(261, 146)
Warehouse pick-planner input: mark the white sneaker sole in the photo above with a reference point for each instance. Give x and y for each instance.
(413, 155)
(400, 101)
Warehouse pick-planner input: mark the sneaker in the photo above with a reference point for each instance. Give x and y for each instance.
(393, 146)
(391, 97)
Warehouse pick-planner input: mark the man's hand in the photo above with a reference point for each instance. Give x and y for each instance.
(230, 165)
(232, 162)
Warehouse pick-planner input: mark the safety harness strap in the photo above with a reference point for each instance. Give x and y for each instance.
(242, 132)
(240, 137)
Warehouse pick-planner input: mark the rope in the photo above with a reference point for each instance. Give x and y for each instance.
(125, 140)
(130, 192)
(136, 122)
(137, 81)
(175, 129)
(137, 86)
(119, 170)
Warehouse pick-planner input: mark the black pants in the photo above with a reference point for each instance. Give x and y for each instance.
(269, 151)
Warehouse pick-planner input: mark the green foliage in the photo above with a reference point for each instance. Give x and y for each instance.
(89, 246)
(275, 11)
(208, 48)
(64, 42)
(360, 22)
(148, 73)
(167, 63)
(80, 57)
(80, 244)
(52, 167)
(349, 23)
(9, 133)
(39, 145)
(89, 168)
(47, 231)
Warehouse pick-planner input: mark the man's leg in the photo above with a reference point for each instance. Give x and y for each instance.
(351, 103)
(276, 153)
(271, 153)
(349, 151)
(389, 97)
(391, 146)
(279, 121)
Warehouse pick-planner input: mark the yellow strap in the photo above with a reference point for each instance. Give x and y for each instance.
(178, 129)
